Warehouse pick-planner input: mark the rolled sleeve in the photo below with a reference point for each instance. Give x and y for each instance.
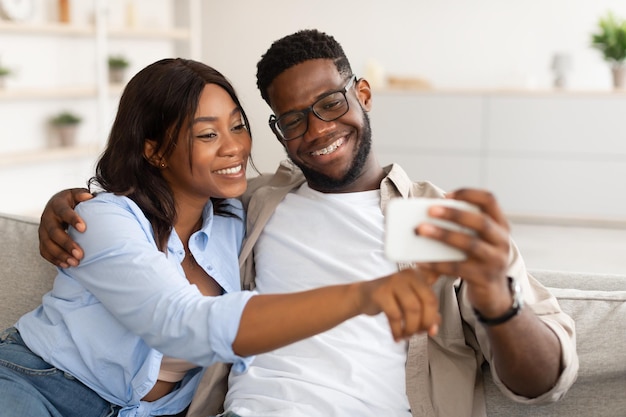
(547, 309)
(225, 319)
(569, 362)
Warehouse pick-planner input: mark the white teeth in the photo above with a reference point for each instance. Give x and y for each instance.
(329, 149)
(229, 171)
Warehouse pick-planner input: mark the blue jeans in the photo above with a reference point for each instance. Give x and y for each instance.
(31, 387)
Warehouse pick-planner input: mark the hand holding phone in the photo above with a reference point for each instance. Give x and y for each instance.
(401, 219)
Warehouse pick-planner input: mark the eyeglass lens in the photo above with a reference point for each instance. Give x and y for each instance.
(327, 108)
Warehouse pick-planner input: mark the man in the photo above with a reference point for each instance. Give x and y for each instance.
(319, 220)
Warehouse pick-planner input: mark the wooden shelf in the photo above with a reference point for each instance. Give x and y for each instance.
(48, 93)
(537, 92)
(89, 30)
(25, 28)
(53, 93)
(48, 155)
(165, 29)
(146, 33)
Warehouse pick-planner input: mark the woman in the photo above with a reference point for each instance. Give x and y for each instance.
(156, 297)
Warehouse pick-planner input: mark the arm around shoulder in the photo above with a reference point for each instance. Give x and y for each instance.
(54, 243)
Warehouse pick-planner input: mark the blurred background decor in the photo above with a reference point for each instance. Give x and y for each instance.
(5, 72)
(66, 124)
(65, 12)
(562, 64)
(16, 10)
(611, 41)
(117, 68)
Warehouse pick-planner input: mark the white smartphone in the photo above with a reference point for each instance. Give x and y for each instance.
(404, 215)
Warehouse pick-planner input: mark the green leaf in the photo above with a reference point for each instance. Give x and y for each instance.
(65, 118)
(611, 38)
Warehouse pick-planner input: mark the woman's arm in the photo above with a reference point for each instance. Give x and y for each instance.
(150, 296)
(272, 321)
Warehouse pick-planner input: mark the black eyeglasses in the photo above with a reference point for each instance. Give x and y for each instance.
(330, 107)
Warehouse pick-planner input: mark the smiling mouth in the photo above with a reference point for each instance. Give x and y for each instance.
(229, 171)
(329, 149)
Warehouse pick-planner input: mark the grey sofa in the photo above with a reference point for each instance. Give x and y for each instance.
(596, 302)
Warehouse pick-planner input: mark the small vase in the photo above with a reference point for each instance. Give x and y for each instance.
(619, 76)
(64, 11)
(116, 75)
(561, 65)
(67, 135)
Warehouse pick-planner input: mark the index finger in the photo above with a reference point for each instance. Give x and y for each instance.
(58, 248)
(485, 200)
(62, 206)
(419, 306)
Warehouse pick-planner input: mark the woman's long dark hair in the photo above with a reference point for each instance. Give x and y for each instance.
(157, 103)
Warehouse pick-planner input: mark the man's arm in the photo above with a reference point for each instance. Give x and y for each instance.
(55, 245)
(527, 353)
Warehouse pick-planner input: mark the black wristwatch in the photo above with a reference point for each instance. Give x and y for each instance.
(518, 302)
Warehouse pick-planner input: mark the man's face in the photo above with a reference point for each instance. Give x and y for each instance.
(332, 155)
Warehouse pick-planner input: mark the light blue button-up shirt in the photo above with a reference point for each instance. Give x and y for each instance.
(110, 320)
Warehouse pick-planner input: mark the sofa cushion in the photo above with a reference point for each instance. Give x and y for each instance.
(580, 280)
(24, 274)
(600, 317)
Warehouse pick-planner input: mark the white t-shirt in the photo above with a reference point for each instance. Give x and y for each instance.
(355, 369)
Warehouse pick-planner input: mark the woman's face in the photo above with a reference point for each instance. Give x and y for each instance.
(221, 146)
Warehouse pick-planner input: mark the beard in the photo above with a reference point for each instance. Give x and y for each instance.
(319, 180)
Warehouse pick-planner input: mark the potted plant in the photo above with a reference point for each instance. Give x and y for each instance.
(611, 41)
(65, 123)
(117, 68)
(4, 73)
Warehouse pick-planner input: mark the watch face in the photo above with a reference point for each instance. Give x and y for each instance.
(16, 9)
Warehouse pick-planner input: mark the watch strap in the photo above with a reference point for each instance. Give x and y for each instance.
(510, 313)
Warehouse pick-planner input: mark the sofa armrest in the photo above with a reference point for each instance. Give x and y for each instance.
(597, 303)
(24, 275)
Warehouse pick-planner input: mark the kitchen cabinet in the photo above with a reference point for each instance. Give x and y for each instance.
(558, 156)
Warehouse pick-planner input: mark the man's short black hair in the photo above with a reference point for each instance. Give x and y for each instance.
(294, 49)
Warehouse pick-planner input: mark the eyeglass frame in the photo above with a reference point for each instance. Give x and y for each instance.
(273, 121)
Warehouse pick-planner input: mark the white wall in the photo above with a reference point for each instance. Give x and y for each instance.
(452, 43)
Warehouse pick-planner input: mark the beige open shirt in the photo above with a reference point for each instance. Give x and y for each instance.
(443, 376)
